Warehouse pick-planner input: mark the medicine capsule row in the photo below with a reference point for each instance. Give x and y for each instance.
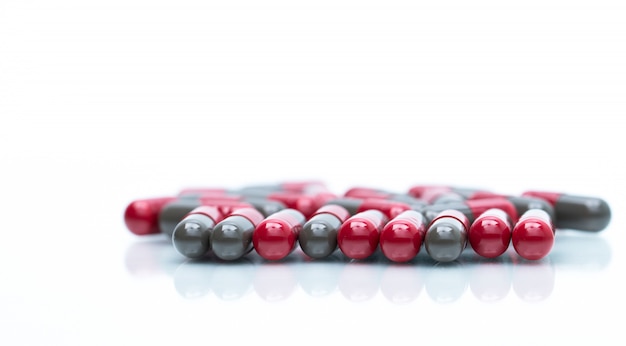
(273, 220)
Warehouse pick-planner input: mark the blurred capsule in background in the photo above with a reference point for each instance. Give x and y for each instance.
(354, 206)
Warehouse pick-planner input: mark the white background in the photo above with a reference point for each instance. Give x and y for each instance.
(103, 102)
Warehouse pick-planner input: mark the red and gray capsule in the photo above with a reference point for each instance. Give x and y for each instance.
(490, 234)
(354, 206)
(359, 235)
(533, 235)
(174, 211)
(318, 237)
(574, 212)
(307, 204)
(231, 238)
(402, 237)
(521, 203)
(142, 216)
(191, 236)
(277, 236)
(446, 236)
(370, 193)
(472, 208)
(265, 206)
(437, 194)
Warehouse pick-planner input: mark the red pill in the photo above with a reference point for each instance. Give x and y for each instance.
(490, 234)
(142, 216)
(277, 235)
(359, 235)
(533, 234)
(402, 237)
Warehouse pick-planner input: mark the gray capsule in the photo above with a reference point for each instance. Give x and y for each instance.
(191, 236)
(173, 212)
(265, 206)
(318, 237)
(523, 204)
(446, 237)
(430, 212)
(574, 212)
(231, 238)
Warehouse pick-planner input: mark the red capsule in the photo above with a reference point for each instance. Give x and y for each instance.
(142, 216)
(277, 235)
(366, 192)
(490, 234)
(305, 187)
(533, 235)
(358, 236)
(402, 237)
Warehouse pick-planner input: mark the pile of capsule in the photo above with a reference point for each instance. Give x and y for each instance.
(274, 220)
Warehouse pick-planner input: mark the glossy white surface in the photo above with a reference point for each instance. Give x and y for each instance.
(103, 102)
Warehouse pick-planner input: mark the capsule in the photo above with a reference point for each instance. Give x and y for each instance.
(231, 238)
(142, 216)
(402, 237)
(277, 236)
(490, 234)
(473, 208)
(370, 193)
(575, 212)
(446, 236)
(294, 186)
(307, 204)
(435, 194)
(204, 191)
(318, 237)
(521, 203)
(359, 235)
(265, 206)
(174, 211)
(533, 235)
(191, 236)
(354, 206)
